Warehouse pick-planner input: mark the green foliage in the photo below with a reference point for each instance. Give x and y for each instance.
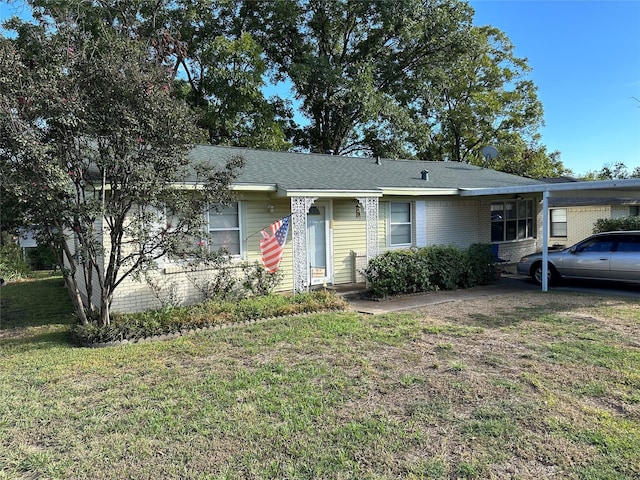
(227, 280)
(170, 320)
(525, 158)
(447, 266)
(79, 112)
(42, 257)
(12, 265)
(398, 78)
(614, 171)
(258, 281)
(360, 69)
(631, 222)
(398, 272)
(481, 265)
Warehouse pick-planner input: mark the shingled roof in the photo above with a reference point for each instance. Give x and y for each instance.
(288, 172)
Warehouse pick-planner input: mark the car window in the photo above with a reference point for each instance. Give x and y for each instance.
(601, 244)
(630, 243)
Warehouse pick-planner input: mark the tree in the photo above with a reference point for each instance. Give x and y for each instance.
(485, 98)
(93, 141)
(359, 67)
(526, 159)
(403, 78)
(216, 63)
(612, 171)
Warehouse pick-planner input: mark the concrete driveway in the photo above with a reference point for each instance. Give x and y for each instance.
(509, 283)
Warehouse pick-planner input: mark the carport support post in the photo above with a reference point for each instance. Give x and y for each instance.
(545, 240)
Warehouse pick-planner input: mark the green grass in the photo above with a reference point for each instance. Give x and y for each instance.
(41, 300)
(549, 391)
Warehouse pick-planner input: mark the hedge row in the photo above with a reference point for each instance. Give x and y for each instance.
(397, 272)
(617, 224)
(135, 326)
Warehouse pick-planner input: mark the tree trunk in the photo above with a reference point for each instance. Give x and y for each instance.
(105, 310)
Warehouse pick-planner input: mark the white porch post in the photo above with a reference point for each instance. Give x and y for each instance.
(371, 212)
(545, 240)
(299, 208)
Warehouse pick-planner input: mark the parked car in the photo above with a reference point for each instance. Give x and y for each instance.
(611, 256)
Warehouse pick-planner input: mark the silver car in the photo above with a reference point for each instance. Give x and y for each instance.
(605, 256)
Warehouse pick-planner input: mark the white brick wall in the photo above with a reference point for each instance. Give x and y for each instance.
(580, 222)
(457, 222)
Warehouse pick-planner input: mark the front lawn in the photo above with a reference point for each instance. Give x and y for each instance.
(541, 386)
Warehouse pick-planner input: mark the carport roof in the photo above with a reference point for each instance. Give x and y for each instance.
(629, 188)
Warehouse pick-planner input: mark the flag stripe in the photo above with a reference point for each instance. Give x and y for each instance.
(272, 246)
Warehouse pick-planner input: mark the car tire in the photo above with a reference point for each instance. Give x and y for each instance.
(552, 274)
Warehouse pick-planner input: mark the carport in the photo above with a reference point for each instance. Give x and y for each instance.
(627, 188)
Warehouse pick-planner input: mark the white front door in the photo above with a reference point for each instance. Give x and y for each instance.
(318, 241)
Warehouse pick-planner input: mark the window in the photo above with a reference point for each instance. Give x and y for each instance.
(597, 244)
(512, 220)
(558, 222)
(634, 210)
(224, 228)
(400, 224)
(629, 243)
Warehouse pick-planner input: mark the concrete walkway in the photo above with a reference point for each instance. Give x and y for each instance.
(508, 284)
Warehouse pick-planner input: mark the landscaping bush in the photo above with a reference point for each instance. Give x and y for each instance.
(42, 257)
(480, 264)
(446, 266)
(12, 265)
(168, 320)
(258, 281)
(400, 272)
(631, 222)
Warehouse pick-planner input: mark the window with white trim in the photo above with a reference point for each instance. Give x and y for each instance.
(224, 228)
(558, 220)
(512, 220)
(400, 225)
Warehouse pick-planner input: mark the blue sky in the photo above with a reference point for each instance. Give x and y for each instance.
(585, 57)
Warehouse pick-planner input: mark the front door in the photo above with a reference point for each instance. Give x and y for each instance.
(318, 245)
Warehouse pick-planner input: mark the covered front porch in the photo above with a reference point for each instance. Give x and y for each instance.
(313, 224)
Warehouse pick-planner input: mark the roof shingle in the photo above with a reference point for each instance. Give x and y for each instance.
(299, 171)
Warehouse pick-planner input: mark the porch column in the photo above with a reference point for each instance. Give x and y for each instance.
(371, 213)
(299, 209)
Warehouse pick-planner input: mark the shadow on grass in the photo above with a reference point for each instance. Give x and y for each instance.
(35, 302)
(36, 338)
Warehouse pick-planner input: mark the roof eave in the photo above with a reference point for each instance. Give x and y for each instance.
(328, 193)
(419, 192)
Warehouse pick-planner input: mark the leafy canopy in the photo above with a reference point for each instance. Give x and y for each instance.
(92, 141)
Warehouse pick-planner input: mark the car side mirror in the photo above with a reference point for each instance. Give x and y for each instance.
(573, 249)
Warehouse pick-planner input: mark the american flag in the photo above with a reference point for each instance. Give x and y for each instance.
(272, 245)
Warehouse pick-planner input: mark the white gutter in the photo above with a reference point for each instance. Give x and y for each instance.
(419, 191)
(332, 193)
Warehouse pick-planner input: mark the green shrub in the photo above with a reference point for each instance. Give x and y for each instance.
(179, 319)
(480, 264)
(12, 265)
(631, 222)
(398, 271)
(258, 281)
(42, 257)
(446, 265)
(430, 268)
